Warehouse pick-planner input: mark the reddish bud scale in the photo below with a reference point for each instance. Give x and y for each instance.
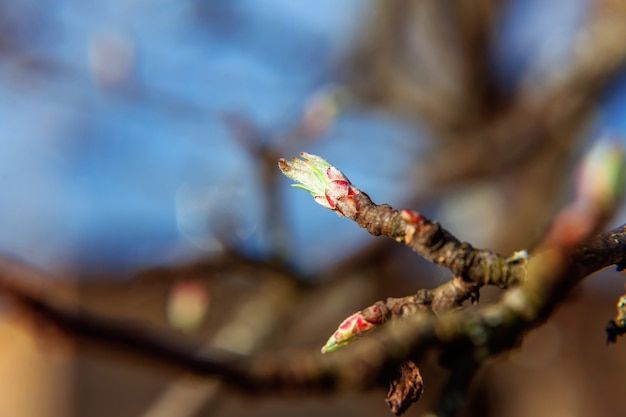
(352, 327)
(331, 202)
(411, 217)
(334, 174)
(358, 323)
(414, 221)
(329, 186)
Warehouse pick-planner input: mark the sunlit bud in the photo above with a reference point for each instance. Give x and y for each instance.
(327, 184)
(352, 327)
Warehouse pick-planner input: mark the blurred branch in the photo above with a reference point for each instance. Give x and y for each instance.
(430, 59)
(598, 191)
(467, 336)
(271, 303)
(367, 363)
(263, 151)
(472, 335)
(552, 109)
(453, 395)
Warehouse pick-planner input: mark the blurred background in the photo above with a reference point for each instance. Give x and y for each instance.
(138, 150)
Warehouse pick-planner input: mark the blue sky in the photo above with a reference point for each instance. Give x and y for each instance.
(114, 151)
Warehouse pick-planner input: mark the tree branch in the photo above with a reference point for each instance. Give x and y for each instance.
(332, 189)
(367, 363)
(470, 335)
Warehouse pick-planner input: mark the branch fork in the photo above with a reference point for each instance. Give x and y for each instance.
(598, 190)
